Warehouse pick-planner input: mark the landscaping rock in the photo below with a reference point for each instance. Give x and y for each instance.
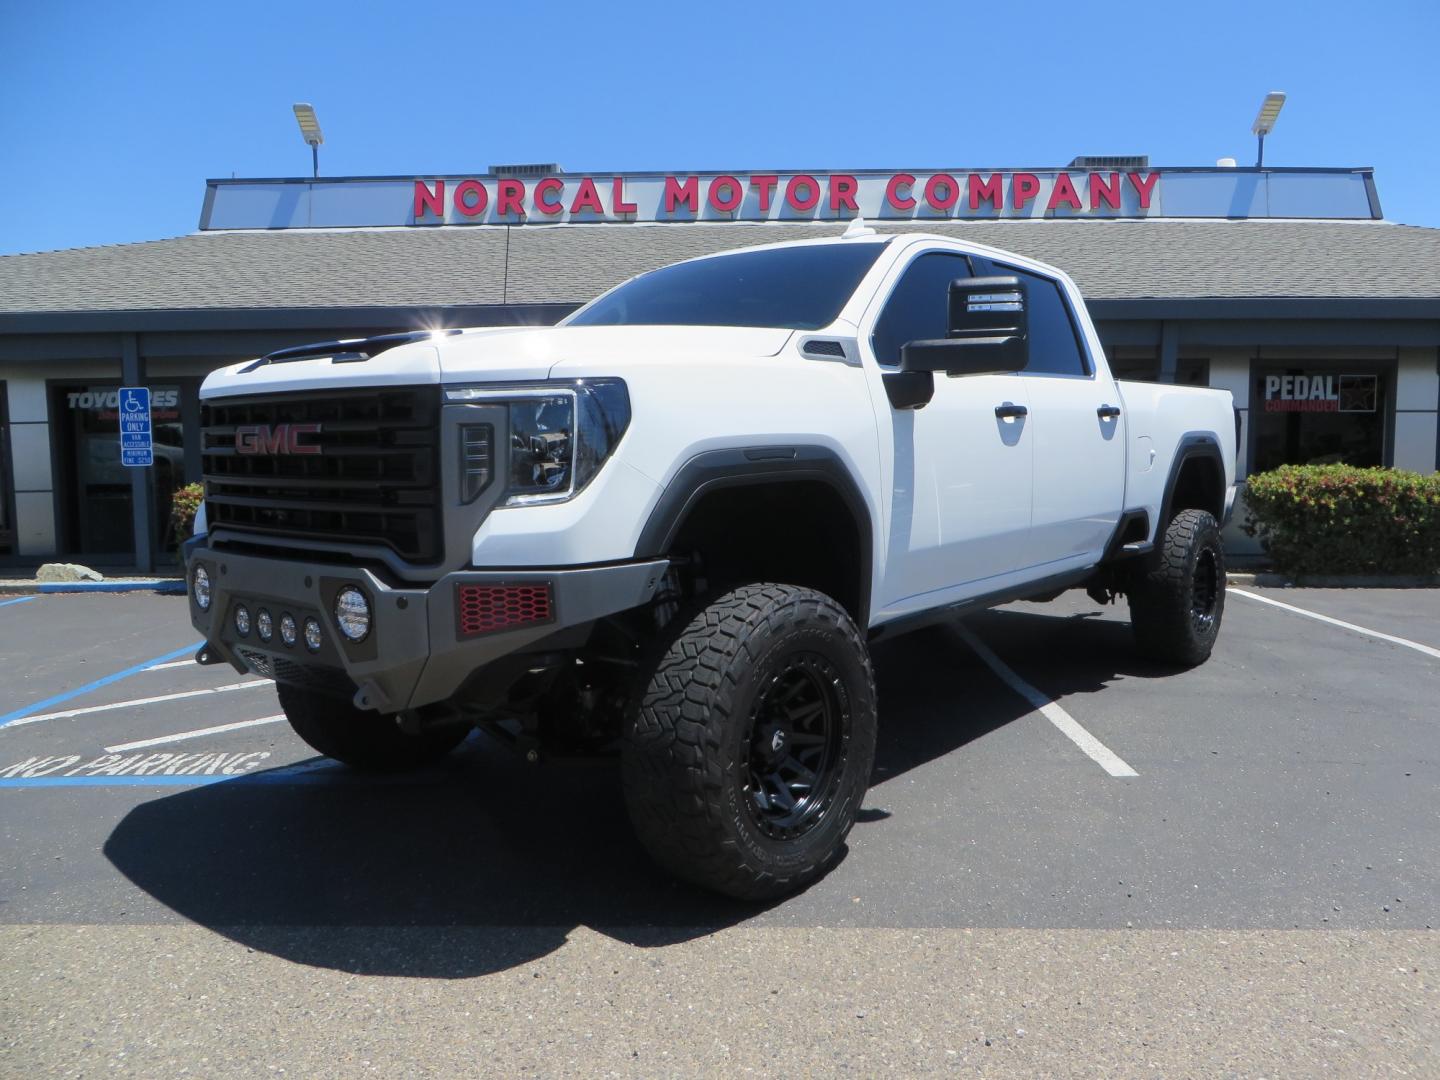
(64, 571)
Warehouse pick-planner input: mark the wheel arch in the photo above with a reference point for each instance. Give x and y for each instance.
(791, 470)
(1196, 480)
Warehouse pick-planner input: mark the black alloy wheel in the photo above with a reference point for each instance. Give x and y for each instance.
(798, 739)
(1204, 592)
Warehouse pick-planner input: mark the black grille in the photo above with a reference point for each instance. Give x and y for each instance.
(375, 479)
(825, 348)
(325, 679)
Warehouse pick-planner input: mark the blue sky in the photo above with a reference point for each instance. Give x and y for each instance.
(112, 115)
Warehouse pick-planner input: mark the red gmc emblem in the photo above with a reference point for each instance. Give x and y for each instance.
(280, 439)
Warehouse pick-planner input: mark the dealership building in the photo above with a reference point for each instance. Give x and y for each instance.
(1285, 286)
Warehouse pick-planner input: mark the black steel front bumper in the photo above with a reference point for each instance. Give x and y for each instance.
(415, 653)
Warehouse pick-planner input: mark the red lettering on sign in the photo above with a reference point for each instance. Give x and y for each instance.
(932, 189)
(809, 200)
(510, 197)
(1064, 191)
(893, 195)
(764, 186)
(1101, 190)
(843, 187)
(991, 191)
(733, 195)
(1023, 189)
(1144, 187)
(543, 189)
(587, 198)
(464, 190)
(618, 205)
(427, 201)
(688, 193)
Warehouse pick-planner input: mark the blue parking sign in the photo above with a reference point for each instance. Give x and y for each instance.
(136, 445)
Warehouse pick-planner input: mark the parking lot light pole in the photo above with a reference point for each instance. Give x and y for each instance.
(310, 132)
(1264, 121)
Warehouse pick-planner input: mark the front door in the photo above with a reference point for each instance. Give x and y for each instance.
(960, 515)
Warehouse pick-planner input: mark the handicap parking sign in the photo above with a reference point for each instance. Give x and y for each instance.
(136, 445)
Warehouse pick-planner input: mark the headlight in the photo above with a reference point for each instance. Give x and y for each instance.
(200, 585)
(560, 435)
(242, 621)
(287, 628)
(264, 625)
(352, 613)
(312, 635)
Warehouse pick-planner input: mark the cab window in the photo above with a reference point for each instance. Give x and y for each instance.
(1054, 334)
(919, 307)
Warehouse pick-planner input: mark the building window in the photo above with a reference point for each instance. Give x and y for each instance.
(96, 513)
(1303, 415)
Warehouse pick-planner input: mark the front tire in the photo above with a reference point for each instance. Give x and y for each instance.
(360, 738)
(749, 750)
(1178, 601)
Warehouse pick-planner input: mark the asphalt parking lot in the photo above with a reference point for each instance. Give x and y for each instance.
(1072, 862)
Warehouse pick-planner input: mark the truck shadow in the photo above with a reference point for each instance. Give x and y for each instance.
(487, 862)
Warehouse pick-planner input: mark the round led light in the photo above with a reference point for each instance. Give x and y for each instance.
(242, 620)
(264, 625)
(200, 585)
(287, 628)
(312, 635)
(352, 613)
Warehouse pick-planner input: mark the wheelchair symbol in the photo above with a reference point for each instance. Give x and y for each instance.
(133, 402)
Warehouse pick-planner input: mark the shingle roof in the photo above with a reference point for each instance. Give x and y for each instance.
(444, 267)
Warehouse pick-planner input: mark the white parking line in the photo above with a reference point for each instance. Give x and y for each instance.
(1068, 726)
(173, 663)
(198, 733)
(1426, 649)
(68, 713)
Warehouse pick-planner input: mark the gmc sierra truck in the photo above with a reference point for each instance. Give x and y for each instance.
(675, 521)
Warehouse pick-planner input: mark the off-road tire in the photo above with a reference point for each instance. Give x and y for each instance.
(688, 743)
(1178, 599)
(360, 738)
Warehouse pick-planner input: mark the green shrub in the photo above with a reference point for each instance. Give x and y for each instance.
(1337, 519)
(184, 504)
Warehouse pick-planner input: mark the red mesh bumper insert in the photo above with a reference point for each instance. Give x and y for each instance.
(484, 609)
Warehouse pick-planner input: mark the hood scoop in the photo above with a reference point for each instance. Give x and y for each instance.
(346, 350)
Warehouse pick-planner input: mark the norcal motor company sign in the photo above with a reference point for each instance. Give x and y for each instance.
(782, 196)
(883, 195)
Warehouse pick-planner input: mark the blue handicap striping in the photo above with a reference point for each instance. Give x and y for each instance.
(69, 695)
(19, 600)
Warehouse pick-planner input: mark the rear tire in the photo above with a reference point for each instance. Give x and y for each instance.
(360, 738)
(748, 752)
(1178, 601)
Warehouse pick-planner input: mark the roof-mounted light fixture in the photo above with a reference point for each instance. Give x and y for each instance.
(1265, 121)
(310, 132)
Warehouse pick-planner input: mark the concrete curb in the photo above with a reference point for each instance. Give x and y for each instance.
(1269, 579)
(167, 586)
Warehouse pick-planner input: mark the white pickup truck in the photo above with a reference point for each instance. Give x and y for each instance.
(675, 521)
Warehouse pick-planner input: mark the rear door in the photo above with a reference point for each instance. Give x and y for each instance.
(1077, 429)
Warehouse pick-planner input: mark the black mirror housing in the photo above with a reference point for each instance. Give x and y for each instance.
(988, 330)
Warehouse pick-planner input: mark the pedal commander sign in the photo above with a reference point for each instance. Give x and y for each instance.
(1320, 393)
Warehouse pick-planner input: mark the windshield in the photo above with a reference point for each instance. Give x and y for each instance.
(795, 288)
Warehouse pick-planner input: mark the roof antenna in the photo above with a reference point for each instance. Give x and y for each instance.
(857, 228)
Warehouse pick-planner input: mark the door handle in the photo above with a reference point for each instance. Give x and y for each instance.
(1011, 412)
(1108, 412)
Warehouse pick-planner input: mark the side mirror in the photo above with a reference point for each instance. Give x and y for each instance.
(987, 333)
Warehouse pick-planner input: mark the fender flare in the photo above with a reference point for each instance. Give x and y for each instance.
(744, 466)
(1193, 445)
